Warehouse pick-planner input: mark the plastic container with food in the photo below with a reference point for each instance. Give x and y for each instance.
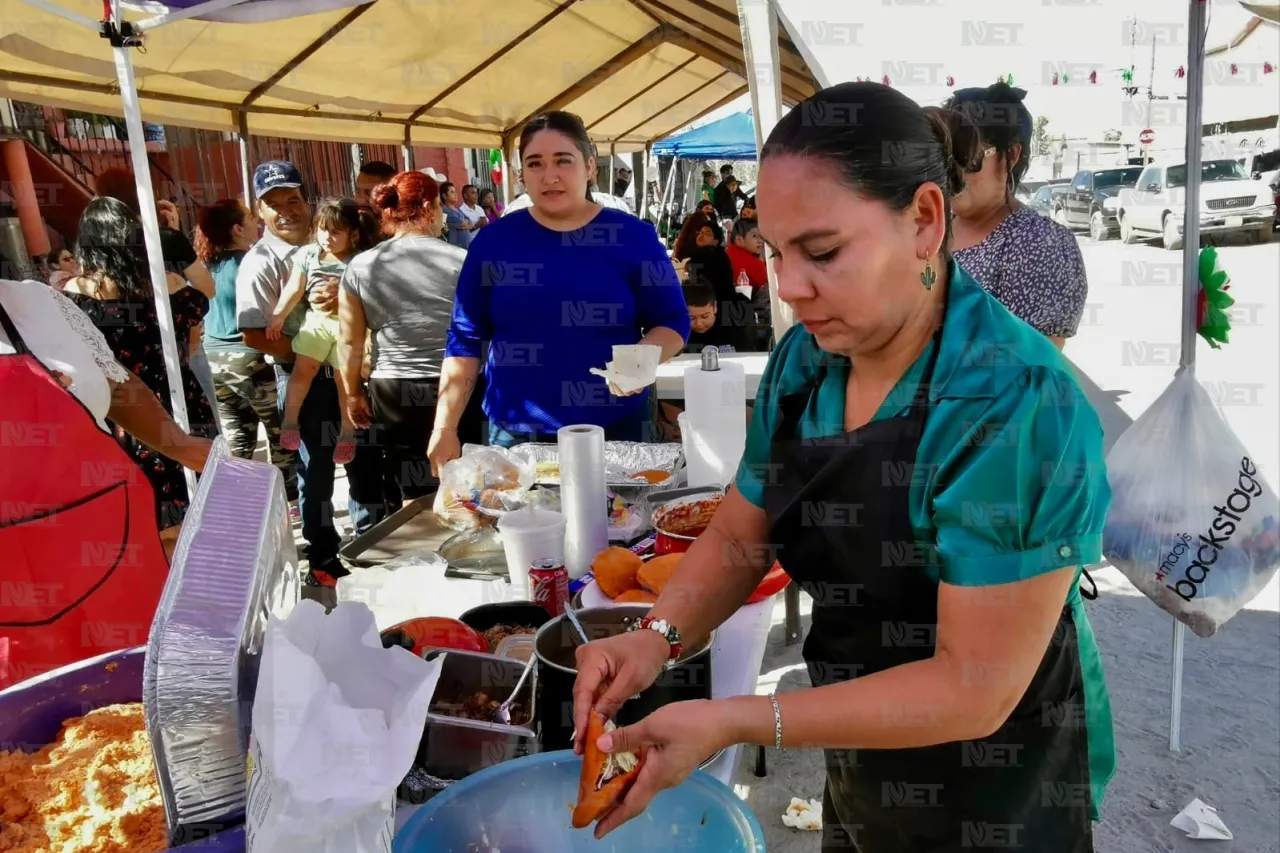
(460, 738)
(32, 714)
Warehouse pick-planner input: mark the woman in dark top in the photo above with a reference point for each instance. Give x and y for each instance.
(114, 290)
(706, 260)
(244, 384)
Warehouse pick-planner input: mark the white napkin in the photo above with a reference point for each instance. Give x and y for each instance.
(1200, 820)
(803, 814)
(633, 367)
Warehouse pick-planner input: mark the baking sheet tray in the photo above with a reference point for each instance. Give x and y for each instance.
(411, 530)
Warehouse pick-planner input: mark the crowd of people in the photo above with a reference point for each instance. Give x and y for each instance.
(382, 331)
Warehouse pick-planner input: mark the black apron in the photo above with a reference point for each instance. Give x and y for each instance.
(838, 509)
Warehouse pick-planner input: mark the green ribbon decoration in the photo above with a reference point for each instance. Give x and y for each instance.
(1215, 322)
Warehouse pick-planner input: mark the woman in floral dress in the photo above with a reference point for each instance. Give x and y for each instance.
(114, 290)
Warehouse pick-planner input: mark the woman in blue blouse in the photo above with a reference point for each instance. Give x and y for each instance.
(926, 468)
(552, 289)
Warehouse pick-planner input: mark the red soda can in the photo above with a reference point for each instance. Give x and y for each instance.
(549, 585)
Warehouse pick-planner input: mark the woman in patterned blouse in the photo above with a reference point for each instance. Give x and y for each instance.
(1031, 264)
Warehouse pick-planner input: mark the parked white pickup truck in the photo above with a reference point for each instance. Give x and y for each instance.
(1230, 202)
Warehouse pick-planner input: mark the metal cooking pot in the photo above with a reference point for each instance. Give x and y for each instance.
(554, 646)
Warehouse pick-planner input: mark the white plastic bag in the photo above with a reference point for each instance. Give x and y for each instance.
(482, 483)
(337, 721)
(1193, 525)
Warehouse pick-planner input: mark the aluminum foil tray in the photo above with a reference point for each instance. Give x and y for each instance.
(235, 565)
(622, 459)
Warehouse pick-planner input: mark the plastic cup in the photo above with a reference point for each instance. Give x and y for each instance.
(530, 534)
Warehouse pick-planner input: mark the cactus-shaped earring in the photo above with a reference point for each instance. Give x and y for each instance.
(928, 277)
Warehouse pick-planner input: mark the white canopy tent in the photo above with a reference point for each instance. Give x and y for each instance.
(386, 71)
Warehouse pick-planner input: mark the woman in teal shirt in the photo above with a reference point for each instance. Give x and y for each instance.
(923, 464)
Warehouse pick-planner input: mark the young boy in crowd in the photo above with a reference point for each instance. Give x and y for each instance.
(704, 330)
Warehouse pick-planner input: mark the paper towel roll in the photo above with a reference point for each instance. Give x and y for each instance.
(711, 454)
(714, 423)
(582, 496)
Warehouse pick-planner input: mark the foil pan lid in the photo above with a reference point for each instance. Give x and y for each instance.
(235, 565)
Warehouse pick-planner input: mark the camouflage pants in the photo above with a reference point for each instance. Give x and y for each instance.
(245, 387)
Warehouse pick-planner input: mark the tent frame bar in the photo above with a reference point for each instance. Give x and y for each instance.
(501, 52)
(732, 96)
(646, 90)
(698, 44)
(682, 99)
(657, 36)
(305, 54)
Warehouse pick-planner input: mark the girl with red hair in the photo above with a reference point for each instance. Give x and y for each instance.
(401, 292)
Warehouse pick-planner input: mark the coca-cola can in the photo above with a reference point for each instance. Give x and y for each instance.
(549, 585)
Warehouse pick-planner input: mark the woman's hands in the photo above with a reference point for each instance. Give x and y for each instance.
(611, 671)
(675, 740)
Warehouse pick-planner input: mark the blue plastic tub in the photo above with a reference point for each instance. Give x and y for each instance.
(524, 806)
(32, 713)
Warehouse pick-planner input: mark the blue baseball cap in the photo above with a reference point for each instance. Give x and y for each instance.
(274, 175)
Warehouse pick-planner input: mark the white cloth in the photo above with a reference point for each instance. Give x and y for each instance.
(64, 340)
(473, 214)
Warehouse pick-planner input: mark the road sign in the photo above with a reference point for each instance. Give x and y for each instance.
(1147, 136)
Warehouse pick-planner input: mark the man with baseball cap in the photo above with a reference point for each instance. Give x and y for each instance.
(286, 213)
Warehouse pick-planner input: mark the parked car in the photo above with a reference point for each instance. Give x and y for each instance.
(1090, 199)
(1263, 166)
(1042, 201)
(1230, 202)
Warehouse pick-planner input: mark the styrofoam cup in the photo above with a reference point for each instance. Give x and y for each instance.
(530, 534)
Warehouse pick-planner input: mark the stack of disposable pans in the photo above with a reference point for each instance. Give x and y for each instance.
(235, 565)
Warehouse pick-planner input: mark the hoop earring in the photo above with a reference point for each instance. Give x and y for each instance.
(928, 277)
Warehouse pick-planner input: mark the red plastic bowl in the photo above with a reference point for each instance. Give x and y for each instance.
(439, 632)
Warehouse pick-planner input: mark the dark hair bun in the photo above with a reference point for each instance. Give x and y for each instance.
(386, 197)
(960, 144)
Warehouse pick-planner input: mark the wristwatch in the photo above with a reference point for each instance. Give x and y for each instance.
(668, 632)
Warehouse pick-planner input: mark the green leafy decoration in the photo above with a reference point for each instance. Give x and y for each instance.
(1214, 321)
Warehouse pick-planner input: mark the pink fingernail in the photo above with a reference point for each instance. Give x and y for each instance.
(605, 742)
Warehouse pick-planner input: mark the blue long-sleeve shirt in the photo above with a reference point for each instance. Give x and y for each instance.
(552, 305)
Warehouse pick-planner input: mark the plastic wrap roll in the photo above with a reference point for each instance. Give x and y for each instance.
(582, 496)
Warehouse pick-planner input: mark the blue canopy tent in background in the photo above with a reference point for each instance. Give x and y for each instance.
(731, 138)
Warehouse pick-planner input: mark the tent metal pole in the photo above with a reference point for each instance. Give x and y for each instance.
(151, 235)
(759, 23)
(246, 174)
(55, 9)
(406, 149)
(644, 190)
(1190, 289)
(667, 191)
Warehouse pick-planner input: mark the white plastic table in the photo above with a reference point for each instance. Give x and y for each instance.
(670, 384)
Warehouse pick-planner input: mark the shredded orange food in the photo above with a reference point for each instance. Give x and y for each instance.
(93, 790)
